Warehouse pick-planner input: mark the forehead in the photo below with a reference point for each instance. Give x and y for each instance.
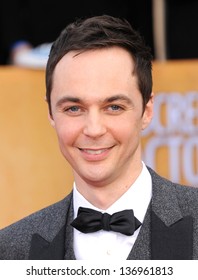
(105, 58)
(95, 72)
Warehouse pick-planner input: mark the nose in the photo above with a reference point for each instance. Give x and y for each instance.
(95, 125)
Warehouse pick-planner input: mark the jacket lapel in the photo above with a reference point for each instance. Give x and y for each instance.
(41, 249)
(60, 247)
(165, 233)
(173, 242)
(171, 232)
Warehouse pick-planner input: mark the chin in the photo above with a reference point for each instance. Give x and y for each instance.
(97, 180)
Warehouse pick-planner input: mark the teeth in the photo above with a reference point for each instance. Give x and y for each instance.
(95, 152)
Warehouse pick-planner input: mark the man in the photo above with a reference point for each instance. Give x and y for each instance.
(99, 93)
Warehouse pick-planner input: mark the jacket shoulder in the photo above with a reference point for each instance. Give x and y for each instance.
(187, 195)
(15, 239)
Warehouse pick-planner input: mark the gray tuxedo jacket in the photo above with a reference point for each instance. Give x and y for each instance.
(169, 230)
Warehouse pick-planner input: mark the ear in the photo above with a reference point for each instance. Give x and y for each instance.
(50, 117)
(51, 120)
(148, 112)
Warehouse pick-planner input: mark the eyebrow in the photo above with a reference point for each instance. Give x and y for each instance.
(110, 99)
(121, 97)
(65, 99)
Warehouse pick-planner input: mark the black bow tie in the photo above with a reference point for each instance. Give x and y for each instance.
(89, 220)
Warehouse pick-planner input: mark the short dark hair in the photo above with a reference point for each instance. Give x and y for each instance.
(102, 32)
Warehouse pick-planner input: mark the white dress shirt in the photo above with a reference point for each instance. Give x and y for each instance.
(102, 244)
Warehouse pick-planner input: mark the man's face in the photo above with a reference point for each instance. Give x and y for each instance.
(97, 114)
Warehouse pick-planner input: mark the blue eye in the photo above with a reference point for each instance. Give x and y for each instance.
(73, 109)
(115, 107)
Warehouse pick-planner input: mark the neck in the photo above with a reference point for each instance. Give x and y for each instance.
(103, 194)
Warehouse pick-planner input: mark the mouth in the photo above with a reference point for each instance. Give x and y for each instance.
(95, 154)
(94, 151)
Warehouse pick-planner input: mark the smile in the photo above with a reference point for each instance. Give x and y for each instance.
(94, 152)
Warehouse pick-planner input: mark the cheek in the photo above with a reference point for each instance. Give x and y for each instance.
(66, 133)
(122, 135)
(128, 128)
(129, 136)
